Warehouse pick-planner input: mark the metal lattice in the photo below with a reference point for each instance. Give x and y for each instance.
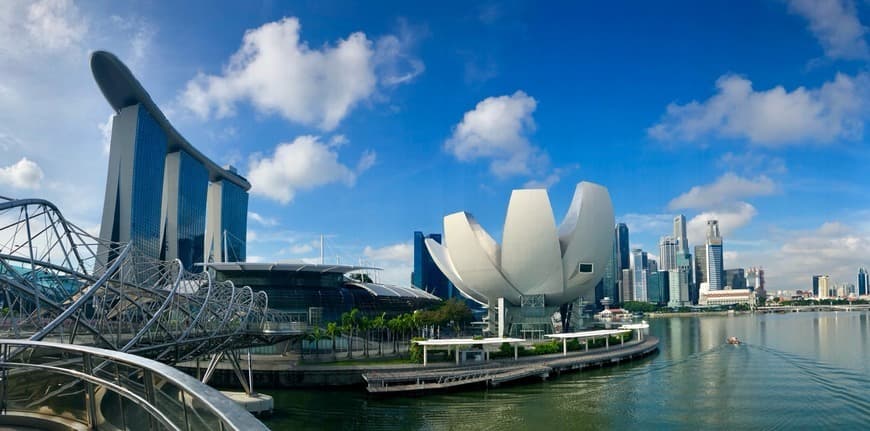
(59, 283)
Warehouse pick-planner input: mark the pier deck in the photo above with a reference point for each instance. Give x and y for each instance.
(499, 372)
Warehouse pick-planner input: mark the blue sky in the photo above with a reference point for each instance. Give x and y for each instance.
(365, 122)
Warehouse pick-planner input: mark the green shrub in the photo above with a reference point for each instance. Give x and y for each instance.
(415, 351)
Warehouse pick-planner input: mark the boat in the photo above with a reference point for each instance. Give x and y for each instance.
(732, 340)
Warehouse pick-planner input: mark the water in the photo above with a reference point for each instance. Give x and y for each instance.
(796, 370)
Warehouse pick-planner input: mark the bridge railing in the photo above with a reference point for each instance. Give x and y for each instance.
(90, 388)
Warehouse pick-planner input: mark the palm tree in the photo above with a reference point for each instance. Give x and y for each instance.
(365, 325)
(378, 323)
(394, 326)
(349, 322)
(332, 331)
(316, 335)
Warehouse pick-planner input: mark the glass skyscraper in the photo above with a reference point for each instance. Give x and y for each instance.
(426, 274)
(715, 268)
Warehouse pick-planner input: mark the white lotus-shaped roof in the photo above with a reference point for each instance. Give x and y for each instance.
(535, 257)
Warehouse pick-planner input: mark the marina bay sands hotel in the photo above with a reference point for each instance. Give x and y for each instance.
(162, 194)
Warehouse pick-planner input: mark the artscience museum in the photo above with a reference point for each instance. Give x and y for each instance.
(539, 268)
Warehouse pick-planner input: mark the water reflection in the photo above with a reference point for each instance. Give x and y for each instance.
(789, 363)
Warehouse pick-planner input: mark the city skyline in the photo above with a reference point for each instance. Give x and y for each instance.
(330, 159)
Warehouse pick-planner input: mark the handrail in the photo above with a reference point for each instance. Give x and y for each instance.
(230, 415)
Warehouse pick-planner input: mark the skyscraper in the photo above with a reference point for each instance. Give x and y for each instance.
(622, 246)
(668, 253)
(680, 234)
(163, 195)
(426, 274)
(816, 285)
(862, 282)
(715, 270)
(700, 275)
(735, 278)
(639, 272)
(612, 274)
(824, 287)
(658, 287)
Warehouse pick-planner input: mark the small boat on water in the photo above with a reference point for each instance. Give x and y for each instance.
(732, 340)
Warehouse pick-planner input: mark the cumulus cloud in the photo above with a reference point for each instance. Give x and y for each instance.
(731, 218)
(498, 129)
(773, 117)
(653, 223)
(277, 72)
(55, 24)
(835, 23)
(303, 164)
(396, 261)
(262, 220)
(401, 252)
(752, 163)
(25, 174)
(727, 188)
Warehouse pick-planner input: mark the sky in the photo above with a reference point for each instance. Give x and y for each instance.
(366, 121)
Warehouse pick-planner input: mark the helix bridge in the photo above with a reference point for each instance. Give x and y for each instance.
(71, 302)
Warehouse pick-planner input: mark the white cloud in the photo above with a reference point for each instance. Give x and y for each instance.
(395, 259)
(401, 252)
(835, 23)
(44, 50)
(301, 249)
(498, 129)
(836, 110)
(25, 174)
(55, 24)
(727, 188)
(262, 220)
(833, 248)
(551, 179)
(106, 132)
(731, 218)
(752, 163)
(279, 73)
(303, 164)
(658, 224)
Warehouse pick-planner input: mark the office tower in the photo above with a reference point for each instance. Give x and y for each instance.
(824, 288)
(700, 272)
(426, 275)
(668, 253)
(862, 282)
(658, 287)
(680, 234)
(622, 244)
(735, 278)
(715, 271)
(639, 272)
(626, 286)
(612, 275)
(816, 285)
(159, 189)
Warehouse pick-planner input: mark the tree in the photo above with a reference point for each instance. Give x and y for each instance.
(349, 322)
(332, 331)
(378, 324)
(316, 335)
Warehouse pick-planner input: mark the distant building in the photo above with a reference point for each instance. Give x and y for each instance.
(658, 287)
(426, 274)
(700, 275)
(622, 246)
(824, 287)
(862, 282)
(668, 250)
(715, 270)
(680, 234)
(626, 286)
(612, 274)
(816, 285)
(727, 297)
(162, 195)
(639, 272)
(735, 278)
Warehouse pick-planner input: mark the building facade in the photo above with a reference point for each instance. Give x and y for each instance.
(715, 267)
(862, 282)
(668, 249)
(639, 274)
(735, 278)
(159, 188)
(680, 234)
(426, 274)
